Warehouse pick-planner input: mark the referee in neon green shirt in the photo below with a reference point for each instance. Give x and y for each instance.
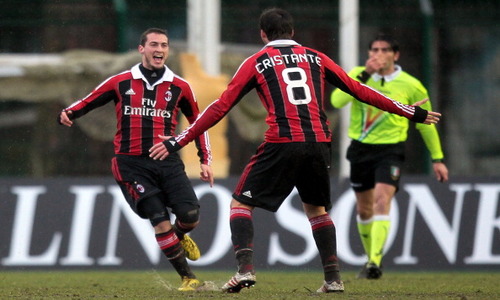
(376, 152)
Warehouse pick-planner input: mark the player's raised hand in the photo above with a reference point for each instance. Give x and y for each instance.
(432, 116)
(373, 64)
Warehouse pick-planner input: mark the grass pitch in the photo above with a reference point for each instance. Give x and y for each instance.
(270, 285)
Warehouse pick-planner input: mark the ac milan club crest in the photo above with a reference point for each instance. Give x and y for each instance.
(168, 96)
(140, 188)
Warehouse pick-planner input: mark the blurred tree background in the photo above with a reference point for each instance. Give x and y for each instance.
(455, 52)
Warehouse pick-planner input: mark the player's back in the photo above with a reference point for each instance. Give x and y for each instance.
(289, 80)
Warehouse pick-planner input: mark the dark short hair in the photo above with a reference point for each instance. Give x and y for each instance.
(385, 38)
(277, 23)
(144, 35)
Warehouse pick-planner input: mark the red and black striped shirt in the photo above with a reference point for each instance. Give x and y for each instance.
(290, 80)
(144, 111)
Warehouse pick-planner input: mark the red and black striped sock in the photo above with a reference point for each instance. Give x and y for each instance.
(241, 224)
(171, 247)
(326, 241)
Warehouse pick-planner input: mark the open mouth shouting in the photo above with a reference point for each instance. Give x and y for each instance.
(158, 59)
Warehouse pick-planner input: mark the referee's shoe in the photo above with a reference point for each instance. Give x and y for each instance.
(373, 271)
(190, 248)
(370, 271)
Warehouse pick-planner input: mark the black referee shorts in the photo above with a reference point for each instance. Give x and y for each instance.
(375, 163)
(277, 168)
(141, 177)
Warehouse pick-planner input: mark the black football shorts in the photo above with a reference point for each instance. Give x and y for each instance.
(277, 168)
(375, 163)
(140, 177)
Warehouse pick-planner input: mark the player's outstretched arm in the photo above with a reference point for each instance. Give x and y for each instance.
(432, 117)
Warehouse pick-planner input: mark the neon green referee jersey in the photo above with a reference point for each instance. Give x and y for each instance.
(371, 125)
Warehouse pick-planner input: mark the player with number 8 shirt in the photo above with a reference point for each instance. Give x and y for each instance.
(292, 89)
(290, 80)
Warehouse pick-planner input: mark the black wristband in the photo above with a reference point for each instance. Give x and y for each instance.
(363, 76)
(420, 115)
(172, 145)
(440, 160)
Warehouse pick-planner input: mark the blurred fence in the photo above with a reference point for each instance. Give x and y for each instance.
(464, 68)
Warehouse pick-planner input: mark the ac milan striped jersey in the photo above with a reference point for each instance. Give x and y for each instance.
(290, 81)
(144, 111)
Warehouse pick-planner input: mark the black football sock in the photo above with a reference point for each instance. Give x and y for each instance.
(180, 229)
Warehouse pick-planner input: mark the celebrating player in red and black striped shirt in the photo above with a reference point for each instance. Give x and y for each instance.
(290, 80)
(148, 99)
(147, 104)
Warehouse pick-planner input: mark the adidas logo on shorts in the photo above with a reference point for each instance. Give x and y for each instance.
(247, 194)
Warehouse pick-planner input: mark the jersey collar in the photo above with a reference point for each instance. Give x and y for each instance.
(281, 43)
(137, 74)
(397, 70)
